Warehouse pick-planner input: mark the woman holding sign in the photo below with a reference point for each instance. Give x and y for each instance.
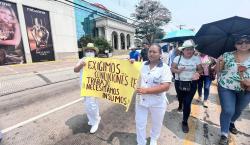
(91, 104)
(151, 95)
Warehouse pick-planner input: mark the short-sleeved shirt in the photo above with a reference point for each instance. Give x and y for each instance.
(153, 77)
(144, 54)
(190, 65)
(229, 76)
(134, 55)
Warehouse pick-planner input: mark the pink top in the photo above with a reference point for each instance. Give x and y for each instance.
(205, 62)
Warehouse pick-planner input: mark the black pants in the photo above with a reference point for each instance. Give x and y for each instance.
(186, 98)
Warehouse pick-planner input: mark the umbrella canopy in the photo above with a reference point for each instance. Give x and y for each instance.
(218, 37)
(179, 35)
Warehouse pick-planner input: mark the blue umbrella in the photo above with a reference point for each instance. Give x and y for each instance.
(179, 35)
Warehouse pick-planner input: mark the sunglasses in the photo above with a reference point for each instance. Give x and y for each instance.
(189, 49)
(242, 41)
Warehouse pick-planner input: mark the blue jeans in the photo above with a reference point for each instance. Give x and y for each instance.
(186, 98)
(206, 82)
(232, 103)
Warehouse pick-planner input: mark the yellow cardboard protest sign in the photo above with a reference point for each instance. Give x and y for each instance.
(111, 79)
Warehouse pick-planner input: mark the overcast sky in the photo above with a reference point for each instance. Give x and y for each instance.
(191, 13)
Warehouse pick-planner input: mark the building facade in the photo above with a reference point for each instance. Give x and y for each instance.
(100, 22)
(46, 30)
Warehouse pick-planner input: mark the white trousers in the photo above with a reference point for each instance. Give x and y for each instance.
(157, 115)
(92, 110)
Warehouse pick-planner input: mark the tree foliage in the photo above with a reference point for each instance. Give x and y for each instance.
(150, 16)
(101, 43)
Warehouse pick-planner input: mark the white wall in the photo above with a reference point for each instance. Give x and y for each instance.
(62, 20)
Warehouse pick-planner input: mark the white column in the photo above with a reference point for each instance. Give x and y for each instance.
(132, 39)
(108, 35)
(125, 39)
(100, 32)
(119, 40)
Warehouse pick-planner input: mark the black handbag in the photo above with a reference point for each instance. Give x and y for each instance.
(212, 71)
(212, 74)
(185, 86)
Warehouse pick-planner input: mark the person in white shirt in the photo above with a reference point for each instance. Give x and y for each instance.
(187, 68)
(91, 103)
(151, 95)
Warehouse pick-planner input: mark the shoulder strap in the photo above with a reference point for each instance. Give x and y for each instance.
(177, 66)
(179, 60)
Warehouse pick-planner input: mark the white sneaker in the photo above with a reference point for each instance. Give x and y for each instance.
(205, 104)
(153, 142)
(94, 128)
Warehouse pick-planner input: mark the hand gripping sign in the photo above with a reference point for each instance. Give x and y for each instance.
(111, 79)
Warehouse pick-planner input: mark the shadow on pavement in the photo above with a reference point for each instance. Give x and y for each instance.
(122, 138)
(117, 127)
(173, 121)
(78, 124)
(81, 139)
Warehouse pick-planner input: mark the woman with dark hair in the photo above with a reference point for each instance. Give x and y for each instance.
(151, 95)
(233, 85)
(206, 78)
(187, 68)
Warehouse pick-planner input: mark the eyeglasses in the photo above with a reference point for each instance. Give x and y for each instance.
(242, 41)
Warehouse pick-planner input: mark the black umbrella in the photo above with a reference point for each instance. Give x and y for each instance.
(218, 37)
